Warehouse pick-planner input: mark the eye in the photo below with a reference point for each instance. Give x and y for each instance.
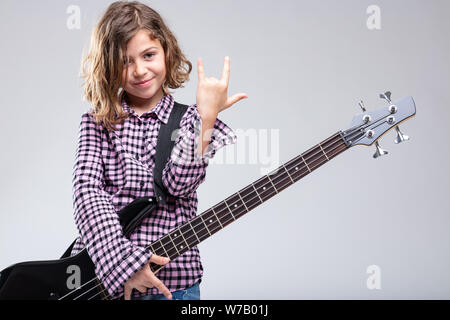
(149, 54)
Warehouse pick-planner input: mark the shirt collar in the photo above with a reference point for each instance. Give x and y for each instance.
(161, 110)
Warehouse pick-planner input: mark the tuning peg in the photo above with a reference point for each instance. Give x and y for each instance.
(379, 152)
(400, 136)
(361, 104)
(386, 96)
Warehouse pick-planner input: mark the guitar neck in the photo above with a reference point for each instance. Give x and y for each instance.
(235, 206)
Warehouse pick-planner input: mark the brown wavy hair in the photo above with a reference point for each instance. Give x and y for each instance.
(103, 65)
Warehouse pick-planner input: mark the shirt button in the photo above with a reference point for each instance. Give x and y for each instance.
(137, 157)
(142, 184)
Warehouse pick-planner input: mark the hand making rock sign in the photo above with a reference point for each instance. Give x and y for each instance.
(212, 98)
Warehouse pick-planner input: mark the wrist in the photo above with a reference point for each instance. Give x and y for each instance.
(207, 116)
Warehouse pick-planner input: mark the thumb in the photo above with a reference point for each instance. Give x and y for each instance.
(232, 100)
(159, 260)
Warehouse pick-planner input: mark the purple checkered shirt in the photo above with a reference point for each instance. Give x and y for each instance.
(113, 168)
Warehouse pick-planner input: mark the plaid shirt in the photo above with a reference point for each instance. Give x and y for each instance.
(113, 168)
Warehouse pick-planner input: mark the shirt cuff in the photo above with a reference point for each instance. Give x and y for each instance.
(186, 151)
(116, 280)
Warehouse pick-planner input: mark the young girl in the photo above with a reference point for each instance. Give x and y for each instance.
(133, 59)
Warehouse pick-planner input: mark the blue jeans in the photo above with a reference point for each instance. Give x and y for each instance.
(191, 293)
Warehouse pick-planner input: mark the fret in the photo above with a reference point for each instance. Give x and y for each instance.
(222, 213)
(181, 233)
(153, 266)
(236, 205)
(221, 226)
(337, 150)
(288, 174)
(242, 201)
(272, 184)
(178, 239)
(173, 243)
(206, 227)
(314, 157)
(298, 169)
(250, 197)
(334, 146)
(158, 251)
(200, 228)
(265, 187)
(150, 246)
(231, 212)
(211, 222)
(165, 246)
(324, 152)
(195, 233)
(257, 193)
(305, 163)
(284, 178)
(189, 236)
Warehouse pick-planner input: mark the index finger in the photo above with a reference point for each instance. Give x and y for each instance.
(226, 70)
(201, 71)
(161, 287)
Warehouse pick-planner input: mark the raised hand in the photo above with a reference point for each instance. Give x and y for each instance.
(212, 94)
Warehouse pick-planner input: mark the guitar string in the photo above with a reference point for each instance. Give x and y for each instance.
(340, 144)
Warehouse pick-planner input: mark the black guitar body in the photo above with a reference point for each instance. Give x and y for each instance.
(46, 280)
(59, 279)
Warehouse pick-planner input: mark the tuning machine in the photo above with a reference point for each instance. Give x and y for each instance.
(361, 105)
(379, 151)
(393, 109)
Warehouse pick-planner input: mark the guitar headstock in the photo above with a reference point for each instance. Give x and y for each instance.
(367, 127)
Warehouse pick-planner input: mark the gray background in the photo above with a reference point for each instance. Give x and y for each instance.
(304, 65)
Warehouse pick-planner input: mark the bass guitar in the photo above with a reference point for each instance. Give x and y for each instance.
(73, 278)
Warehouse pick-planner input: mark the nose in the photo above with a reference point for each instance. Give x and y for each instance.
(139, 70)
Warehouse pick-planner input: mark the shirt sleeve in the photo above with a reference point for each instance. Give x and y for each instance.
(186, 169)
(115, 258)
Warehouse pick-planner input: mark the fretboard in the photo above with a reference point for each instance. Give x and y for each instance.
(237, 205)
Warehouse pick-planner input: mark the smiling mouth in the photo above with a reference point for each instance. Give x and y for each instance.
(143, 82)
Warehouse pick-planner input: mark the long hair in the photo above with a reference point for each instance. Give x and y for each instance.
(103, 65)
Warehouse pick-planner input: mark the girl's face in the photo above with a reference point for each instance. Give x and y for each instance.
(145, 62)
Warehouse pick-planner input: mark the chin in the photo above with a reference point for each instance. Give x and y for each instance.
(143, 94)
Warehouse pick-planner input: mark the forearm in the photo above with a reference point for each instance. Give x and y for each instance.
(206, 132)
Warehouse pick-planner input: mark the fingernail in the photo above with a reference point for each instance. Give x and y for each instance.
(227, 57)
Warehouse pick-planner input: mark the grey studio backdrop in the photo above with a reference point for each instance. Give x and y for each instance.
(304, 66)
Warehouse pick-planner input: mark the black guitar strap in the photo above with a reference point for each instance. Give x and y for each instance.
(131, 215)
(166, 140)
